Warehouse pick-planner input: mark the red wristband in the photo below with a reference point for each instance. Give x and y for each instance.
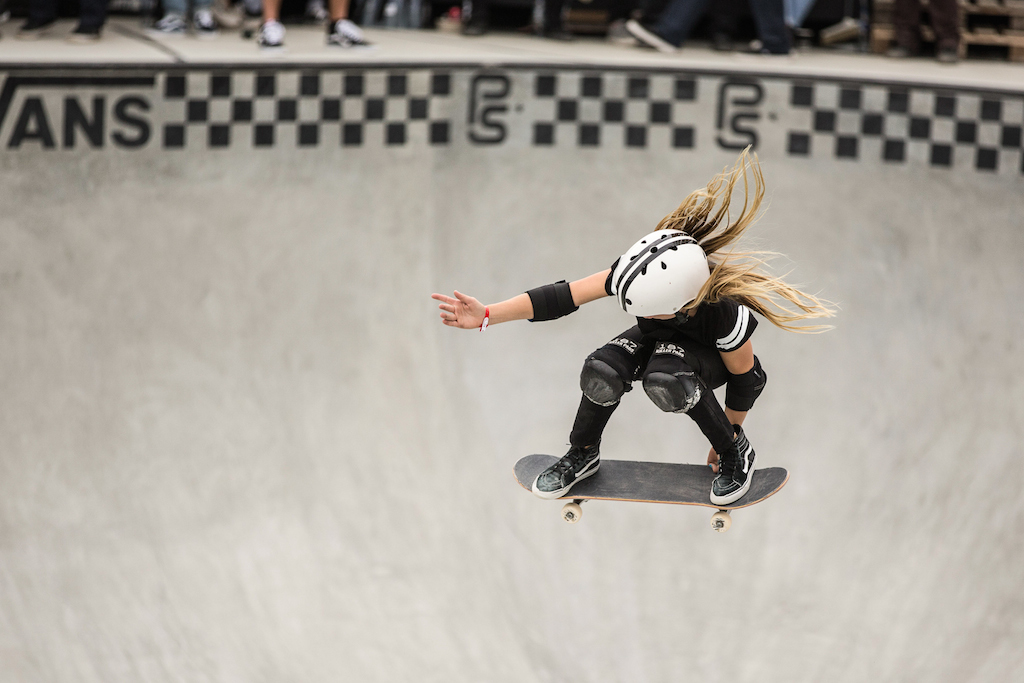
(487, 318)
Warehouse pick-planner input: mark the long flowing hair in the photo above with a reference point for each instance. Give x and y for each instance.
(739, 275)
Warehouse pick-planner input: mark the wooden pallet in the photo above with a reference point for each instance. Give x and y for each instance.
(990, 27)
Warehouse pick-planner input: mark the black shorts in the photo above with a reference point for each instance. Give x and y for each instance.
(632, 354)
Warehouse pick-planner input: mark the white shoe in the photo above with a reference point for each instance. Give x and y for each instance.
(648, 37)
(345, 34)
(204, 24)
(172, 25)
(271, 36)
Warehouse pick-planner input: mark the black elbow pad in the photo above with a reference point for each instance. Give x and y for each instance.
(742, 390)
(551, 301)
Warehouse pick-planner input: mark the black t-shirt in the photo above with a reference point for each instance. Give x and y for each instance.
(724, 325)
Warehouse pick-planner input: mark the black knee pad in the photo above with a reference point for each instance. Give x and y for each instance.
(601, 383)
(674, 393)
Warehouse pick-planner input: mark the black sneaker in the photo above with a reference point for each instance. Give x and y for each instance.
(84, 34)
(33, 29)
(576, 465)
(736, 469)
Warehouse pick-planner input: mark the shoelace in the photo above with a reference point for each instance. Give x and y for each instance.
(569, 461)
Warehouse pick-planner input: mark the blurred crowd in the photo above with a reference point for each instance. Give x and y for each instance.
(770, 27)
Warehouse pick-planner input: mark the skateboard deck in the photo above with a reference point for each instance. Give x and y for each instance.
(653, 482)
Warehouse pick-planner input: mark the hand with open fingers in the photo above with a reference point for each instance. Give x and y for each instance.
(463, 311)
(713, 461)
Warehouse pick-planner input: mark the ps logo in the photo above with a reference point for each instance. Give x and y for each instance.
(737, 104)
(487, 93)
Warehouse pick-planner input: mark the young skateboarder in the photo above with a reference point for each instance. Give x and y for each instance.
(693, 303)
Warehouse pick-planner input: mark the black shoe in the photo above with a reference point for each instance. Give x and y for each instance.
(34, 29)
(576, 465)
(84, 34)
(736, 469)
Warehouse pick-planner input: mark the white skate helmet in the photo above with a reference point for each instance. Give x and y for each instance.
(660, 274)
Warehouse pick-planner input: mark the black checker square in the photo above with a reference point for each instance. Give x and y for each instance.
(419, 108)
(266, 85)
(353, 85)
(898, 102)
(920, 128)
(352, 134)
(174, 87)
(263, 135)
(545, 86)
(568, 110)
(174, 136)
(287, 110)
(330, 109)
(846, 147)
(661, 112)
(850, 98)
(374, 109)
(987, 159)
(872, 124)
(638, 88)
(894, 150)
(941, 155)
(198, 111)
(220, 136)
(682, 137)
(241, 111)
(591, 86)
(824, 121)
(799, 144)
(309, 85)
(590, 135)
(440, 132)
(543, 134)
(220, 85)
(636, 136)
(398, 85)
(394, 134)
(945, 106)
(1011, 137)
(991, 110)
(614, 111)
(309, 134)
(801, 95)
(966, 132)
(685, 90)
(441, 84)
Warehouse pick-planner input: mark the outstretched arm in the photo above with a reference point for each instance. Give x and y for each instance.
(465, 312)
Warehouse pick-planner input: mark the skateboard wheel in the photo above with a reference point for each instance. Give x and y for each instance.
(721, 521)
(571, 512)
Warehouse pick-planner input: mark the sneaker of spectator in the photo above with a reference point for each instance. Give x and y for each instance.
(171, 25)
(646, 36)
(344, 33)
(316, 11)
(84, 34)
(34, 29)
(203, 23)
(271, 36)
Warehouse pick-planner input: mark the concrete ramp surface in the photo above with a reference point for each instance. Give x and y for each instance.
(238, 444)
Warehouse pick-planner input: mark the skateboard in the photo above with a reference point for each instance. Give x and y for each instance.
(653, 482)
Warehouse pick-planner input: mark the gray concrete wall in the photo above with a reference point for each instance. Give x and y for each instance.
(238, 445)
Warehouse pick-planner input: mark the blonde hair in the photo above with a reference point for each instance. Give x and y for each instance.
(705, 216)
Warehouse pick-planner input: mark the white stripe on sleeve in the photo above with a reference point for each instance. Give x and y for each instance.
(730, 342)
